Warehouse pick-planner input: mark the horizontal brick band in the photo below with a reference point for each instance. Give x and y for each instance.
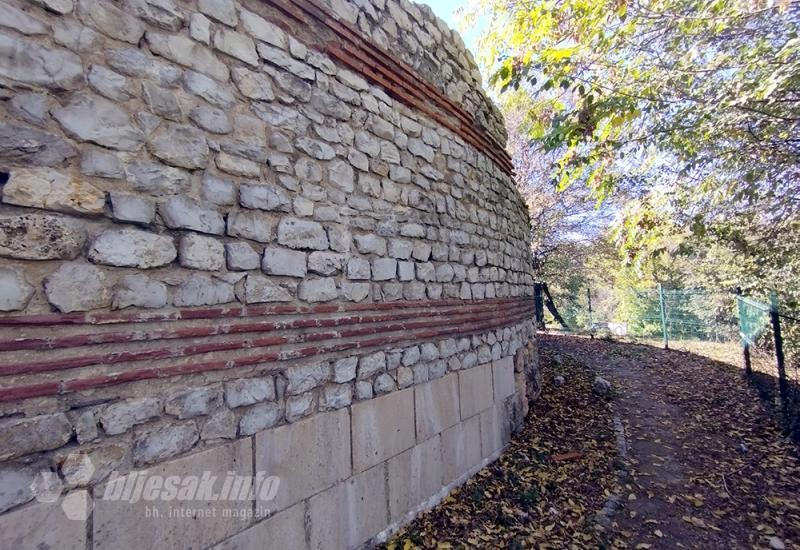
(24, 359)
(351, 49)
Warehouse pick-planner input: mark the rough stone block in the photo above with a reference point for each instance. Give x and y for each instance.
(285, 531)
(475, 390)
(308, 456)
(122, 524)
(46, 525)
(38, 433)
(414, 477)
(495, 429)
(282, 261)
(461, 449)
(350, 513)
(382, 428)
(437, 406)
(503, 377)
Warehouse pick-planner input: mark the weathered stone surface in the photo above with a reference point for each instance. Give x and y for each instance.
(132, 248)
(40, 237)
(259, 417)
(223, 11)
(370, 244)
(325, 263)
(280, 58)
(101, 163)
(219, 191)
(200, 28)
(308, 456)
(304, 378)
(193, 402)
(315, 148)
(110, 20)
(371, 364)
(135, 62)
(23, 436)
(256, 226)
(24, 146)
(182, 146)
(30, 107)
(201, 290)
(25, 61)
(108, 83)
(211, 119)
(241, 256)
(58, 6)
(475, 390)
(304, 234)
(161, 13)
(437, 406)
(45, 188)
(23, 528)
(341, 175)
(318, 290)
(336, 396)
(259, 289)
(157, 179)
(503, 378)
(355, 292)
(15, 291)
(185, 213)
(253, 85)
(132, 208)
(384, 269)
(236, 45)
(221, 425)
(343, 517)
(140, 291)
(283, 530)
(16, 485)
(209, 89)
(185, 51)
(461, 449)
(414, 476)
(162, 102)
(282, 261)
(264, 197)
(88, 117)
(382, 428)
(263, 30)
(120, 417)
(77, 286)
(199, 252)
(164, 442)
(248, 391)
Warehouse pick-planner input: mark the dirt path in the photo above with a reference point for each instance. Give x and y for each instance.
(707, 468)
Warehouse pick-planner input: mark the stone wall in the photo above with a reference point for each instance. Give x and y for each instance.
(270, 238)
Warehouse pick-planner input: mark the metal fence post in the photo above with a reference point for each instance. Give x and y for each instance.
(783, 384)
(748, 366)
(663, 308)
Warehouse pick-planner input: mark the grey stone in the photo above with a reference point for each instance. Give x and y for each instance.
(101, 163)
(28, 62)
(559, 380)
(341, 176)
(339, 237)
(185, 213)
(299, 406)
(358, 269)
(202, 290)
(426, 271)
(258, 289)
(444, 273)
(140, 291)
(161, 13)
(16, 485)
(187, 52)
(23, 436)
(282, 261)
(253, 85)
(162, 102)
(132, 208)
(58, 6)
(120, 417)
(250, 225)
(88, 117)
(79, 38)
(411, 356)
(40, 237)
(30, 107)
(135, 62)
(77, 287)
(601, 386)
(157, 179)
(263, 30)
(336, 396)
(421, 251)
(400, 249)
(236, 45)
(370, 244)
(303, 234)
(28, 147)
(164, 442)
(15, 291)
(264, 197)
(199, 252)
(247, 391)
(45, 188)
(364, 389)
(209, 89)
(344, 370)
(241, 256)
(223, 11)
(325, 263)
(282, 59)
(412, 230)
(84, 421)
(211, 119)
(367, 143)
(306, 377)
(132, 248)
(108, 83)
(318, 290)
(384, 269)
(193, 402)
(355, 292)
(259, 417)
(110, 20)
(405, 271)
(371, 364)
(315, 148)
(181, 146)
(384, 384)
(218, 191)
(429, 351)
(200, 28)
(221, 425)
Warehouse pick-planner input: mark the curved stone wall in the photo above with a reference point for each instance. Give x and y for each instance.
(278, 239)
